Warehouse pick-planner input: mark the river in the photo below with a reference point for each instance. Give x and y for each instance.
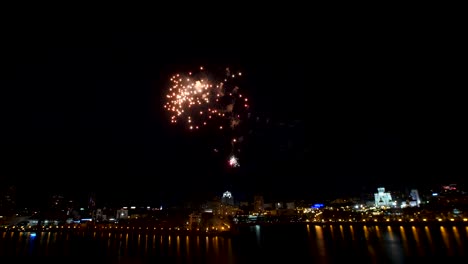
(330, 243)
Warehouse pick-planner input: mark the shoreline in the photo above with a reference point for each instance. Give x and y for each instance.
(233, 231)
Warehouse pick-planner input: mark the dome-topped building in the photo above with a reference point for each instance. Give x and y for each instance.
(227, 198)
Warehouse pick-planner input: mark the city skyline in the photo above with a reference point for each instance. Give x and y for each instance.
(85, 115)
(393, 196)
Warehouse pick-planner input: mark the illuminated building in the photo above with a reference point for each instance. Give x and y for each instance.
(194, 220)
(98, 215)
(122, 214)
(415, 198)
(227, 198)
(383, 198)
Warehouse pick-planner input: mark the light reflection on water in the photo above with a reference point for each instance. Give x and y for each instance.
(404, 241)
(458, 240)
(446, 239)
(322, 243)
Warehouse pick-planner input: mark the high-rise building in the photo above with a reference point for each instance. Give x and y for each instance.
(92, 201)
(258, 203)
(415, 198)
(8, 201)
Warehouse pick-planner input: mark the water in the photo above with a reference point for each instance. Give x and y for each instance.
(254, 244)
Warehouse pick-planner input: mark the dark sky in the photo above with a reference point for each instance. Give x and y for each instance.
(82, 112)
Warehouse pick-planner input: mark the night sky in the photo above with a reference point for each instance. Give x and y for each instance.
(82, 112)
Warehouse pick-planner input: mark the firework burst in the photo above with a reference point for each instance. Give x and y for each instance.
(207, 100)
(197, 99)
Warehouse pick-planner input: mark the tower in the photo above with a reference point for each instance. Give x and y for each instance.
(415, 198)
(92, 201)
(258, 203)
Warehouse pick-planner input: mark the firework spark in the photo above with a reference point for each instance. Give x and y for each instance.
(195, 99)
